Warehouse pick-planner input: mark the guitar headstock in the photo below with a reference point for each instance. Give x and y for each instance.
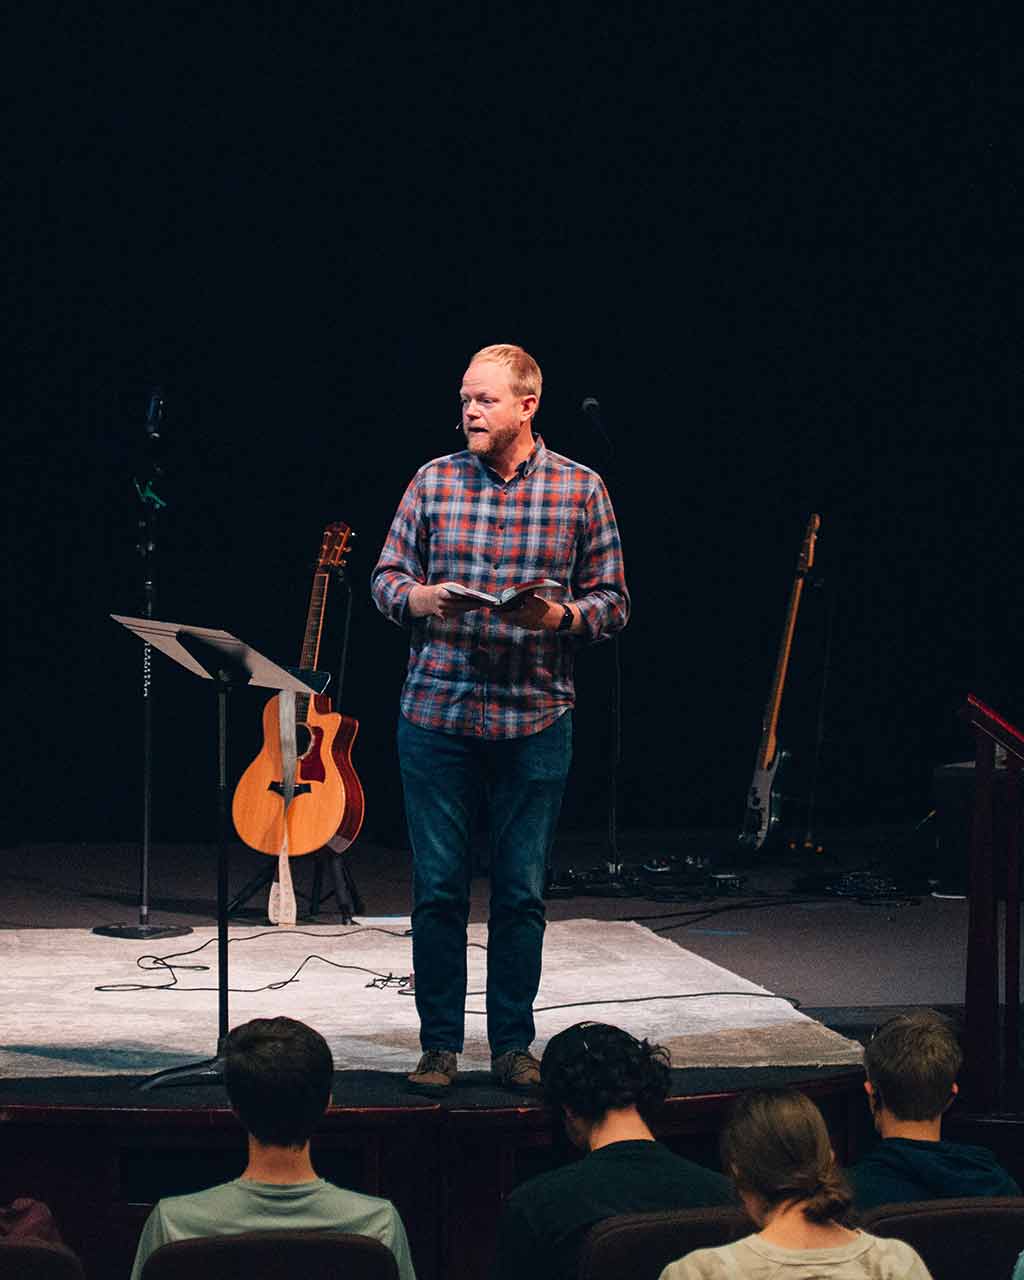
(807, 550)
(335, 545)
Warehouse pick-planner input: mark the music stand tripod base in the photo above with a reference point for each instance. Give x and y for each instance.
(209, 1072)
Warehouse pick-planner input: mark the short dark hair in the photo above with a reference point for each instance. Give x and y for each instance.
(775, 1144)
(912, 1062)
(593, 1068)
(278, 1074)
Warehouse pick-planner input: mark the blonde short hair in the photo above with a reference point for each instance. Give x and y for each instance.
(524, 372)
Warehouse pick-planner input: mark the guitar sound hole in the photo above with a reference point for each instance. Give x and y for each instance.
(303, 740)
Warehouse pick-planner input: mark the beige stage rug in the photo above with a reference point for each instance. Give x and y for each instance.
(54, 1021)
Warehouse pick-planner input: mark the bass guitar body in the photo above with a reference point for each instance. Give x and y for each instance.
(355, 801)
(318, 802)
(762, 821)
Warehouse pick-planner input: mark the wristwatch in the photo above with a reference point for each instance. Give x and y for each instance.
(565, 622)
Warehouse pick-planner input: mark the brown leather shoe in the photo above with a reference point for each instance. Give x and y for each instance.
(516, 1069)
(436, 1072)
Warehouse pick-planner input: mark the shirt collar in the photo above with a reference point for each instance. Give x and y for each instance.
(526, 468)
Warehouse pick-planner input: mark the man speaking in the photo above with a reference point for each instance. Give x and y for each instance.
(486, 708)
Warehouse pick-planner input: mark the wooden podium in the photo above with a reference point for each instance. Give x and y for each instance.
(991, 1069)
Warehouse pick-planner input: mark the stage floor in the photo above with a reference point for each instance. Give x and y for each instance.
(849, 957)
(75, 1003)
(101, 1151)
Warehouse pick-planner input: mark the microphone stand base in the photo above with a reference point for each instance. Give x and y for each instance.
(142, 931)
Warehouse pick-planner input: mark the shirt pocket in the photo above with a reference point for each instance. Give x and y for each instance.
(548, 546)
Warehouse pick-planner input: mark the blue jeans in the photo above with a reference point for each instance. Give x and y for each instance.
(445, 776)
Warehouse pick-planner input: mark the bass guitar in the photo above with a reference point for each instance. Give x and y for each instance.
(762, 821)
(292, 799)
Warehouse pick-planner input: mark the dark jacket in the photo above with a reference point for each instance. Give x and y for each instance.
(903, 1169)
(546, 1218)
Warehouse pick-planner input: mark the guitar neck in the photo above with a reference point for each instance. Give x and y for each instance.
(769, 741)
(769, 736)
(311, 640)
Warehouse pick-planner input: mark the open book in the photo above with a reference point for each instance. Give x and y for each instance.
(505, 599)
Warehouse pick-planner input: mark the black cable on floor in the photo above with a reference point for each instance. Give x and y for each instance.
(679, 995)
(155, 964)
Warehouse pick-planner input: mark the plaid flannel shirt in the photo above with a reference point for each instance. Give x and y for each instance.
(480, 674)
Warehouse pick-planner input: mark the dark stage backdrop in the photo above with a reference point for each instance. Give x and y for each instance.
(771, 240)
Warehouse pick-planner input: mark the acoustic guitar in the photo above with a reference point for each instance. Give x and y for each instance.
(762, 820)
(292, 799)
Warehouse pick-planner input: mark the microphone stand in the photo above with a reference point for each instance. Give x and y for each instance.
(613, 883)
(810, 840)
(347, 898)
(150, 506)
(613, 858)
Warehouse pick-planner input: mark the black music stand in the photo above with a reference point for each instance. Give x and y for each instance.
(228, 662)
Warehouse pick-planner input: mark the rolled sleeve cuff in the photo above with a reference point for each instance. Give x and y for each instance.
(391, 596)
(603, 615)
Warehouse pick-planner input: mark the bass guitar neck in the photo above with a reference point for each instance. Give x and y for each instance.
(762, 816)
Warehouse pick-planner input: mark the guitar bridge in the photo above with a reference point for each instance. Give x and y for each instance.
(300, 788)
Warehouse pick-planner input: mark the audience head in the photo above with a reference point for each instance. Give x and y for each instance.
(593, 1068)
(912, 1063)
(278, 1074)
(776, 1149)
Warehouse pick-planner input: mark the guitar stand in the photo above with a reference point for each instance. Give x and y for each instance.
(346, 893)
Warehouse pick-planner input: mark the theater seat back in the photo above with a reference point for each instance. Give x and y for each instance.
(964, 1239)
(38, 1260)
(640, 1245)
(273, 1255)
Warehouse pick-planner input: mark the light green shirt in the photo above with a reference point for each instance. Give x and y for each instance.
(864, 1258)
(243, 1205)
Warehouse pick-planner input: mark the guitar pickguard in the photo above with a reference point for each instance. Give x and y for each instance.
(311, 763)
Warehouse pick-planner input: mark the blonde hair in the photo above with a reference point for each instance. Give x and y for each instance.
(524, 372)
